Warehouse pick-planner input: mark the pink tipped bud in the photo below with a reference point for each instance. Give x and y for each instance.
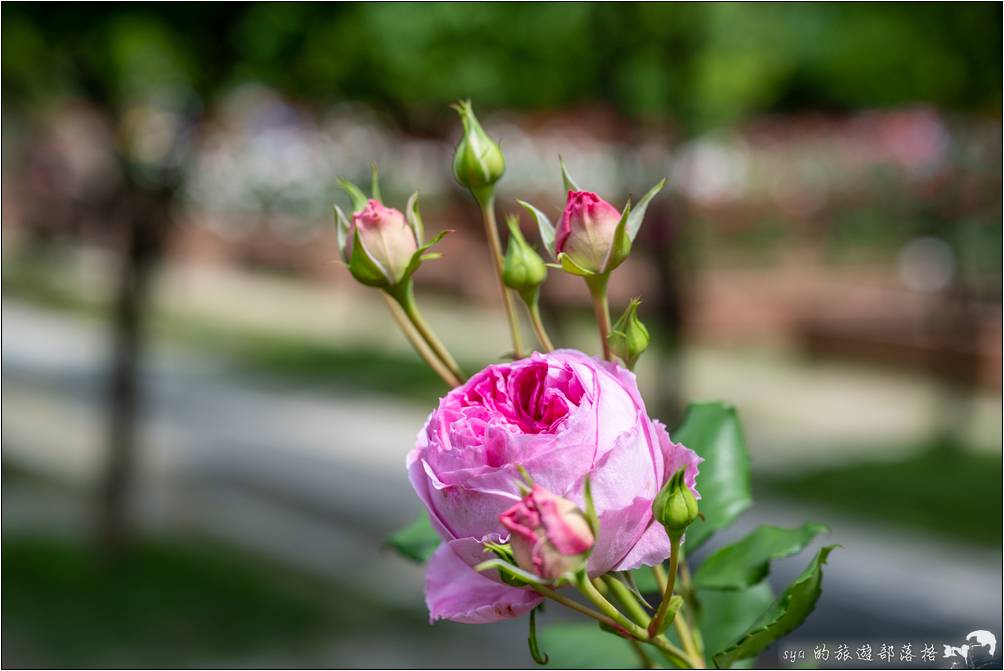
(549, 535)
(586, 232)
(386, 238)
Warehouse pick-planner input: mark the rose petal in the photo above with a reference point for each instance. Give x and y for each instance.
(651, 548)
(620, 530)
(455, 591)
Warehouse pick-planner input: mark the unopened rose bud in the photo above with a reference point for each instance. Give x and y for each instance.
(587, 231)
(523, 269)
(477, 161)
(675, 507)
(549, 535)
(380, 245)
(629, 337)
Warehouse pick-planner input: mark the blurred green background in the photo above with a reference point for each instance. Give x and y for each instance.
(208, 419)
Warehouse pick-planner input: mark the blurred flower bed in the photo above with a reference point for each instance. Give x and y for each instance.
(845, 232)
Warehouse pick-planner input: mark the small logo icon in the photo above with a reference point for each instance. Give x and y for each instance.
(976, 653)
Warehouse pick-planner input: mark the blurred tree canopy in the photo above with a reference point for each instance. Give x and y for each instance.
(700, 64)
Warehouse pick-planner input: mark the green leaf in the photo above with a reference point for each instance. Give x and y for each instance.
(357, 197)
(725, 615)
(544, 225)
(634, 222)
(582, 645)
(783, 616)
(747, 561)
(566, 179)
(713, 431)
(417, 541)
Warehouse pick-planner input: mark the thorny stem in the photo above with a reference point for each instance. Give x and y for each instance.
(491, 230)
(418, 343)
(598, 289)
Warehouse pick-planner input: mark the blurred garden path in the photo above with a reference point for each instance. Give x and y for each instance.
(838, 403)
(316, 479)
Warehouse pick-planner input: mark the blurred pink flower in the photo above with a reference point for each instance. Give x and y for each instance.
(562, 416)
(386, 237)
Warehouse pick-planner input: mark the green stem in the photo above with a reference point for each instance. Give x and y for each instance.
(659, 574)
(611, 617)
(646, 661)
(487, 204)
(533, 306)
(655, 627)
(405, 296)
(628, 600)
(575, 605)
(684, 632)
(677, 656)
(633, 606)
(589, 590)
(598, 290)
(418, 343)
(693, 604)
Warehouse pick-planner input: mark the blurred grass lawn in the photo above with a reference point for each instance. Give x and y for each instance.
(946, 489)
(167, 603)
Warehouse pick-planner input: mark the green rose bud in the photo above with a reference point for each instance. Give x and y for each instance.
(675, 507)
(523, 269)
(477, 161)
(629, 338)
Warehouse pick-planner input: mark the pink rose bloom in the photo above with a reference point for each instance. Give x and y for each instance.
(586, 231)
(549, 534)
(562, 416)
(386, 237)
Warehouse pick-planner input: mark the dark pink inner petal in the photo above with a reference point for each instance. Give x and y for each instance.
(476, 422)
(533, 397)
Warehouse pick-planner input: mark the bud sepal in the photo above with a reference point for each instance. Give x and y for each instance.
(629, 338)
(522, 269)
(381, 246)
(675, 507)
(478, 162)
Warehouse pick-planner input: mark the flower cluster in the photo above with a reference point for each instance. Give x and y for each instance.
(546, 472)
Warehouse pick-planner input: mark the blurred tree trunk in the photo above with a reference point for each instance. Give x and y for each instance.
(145, 224)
